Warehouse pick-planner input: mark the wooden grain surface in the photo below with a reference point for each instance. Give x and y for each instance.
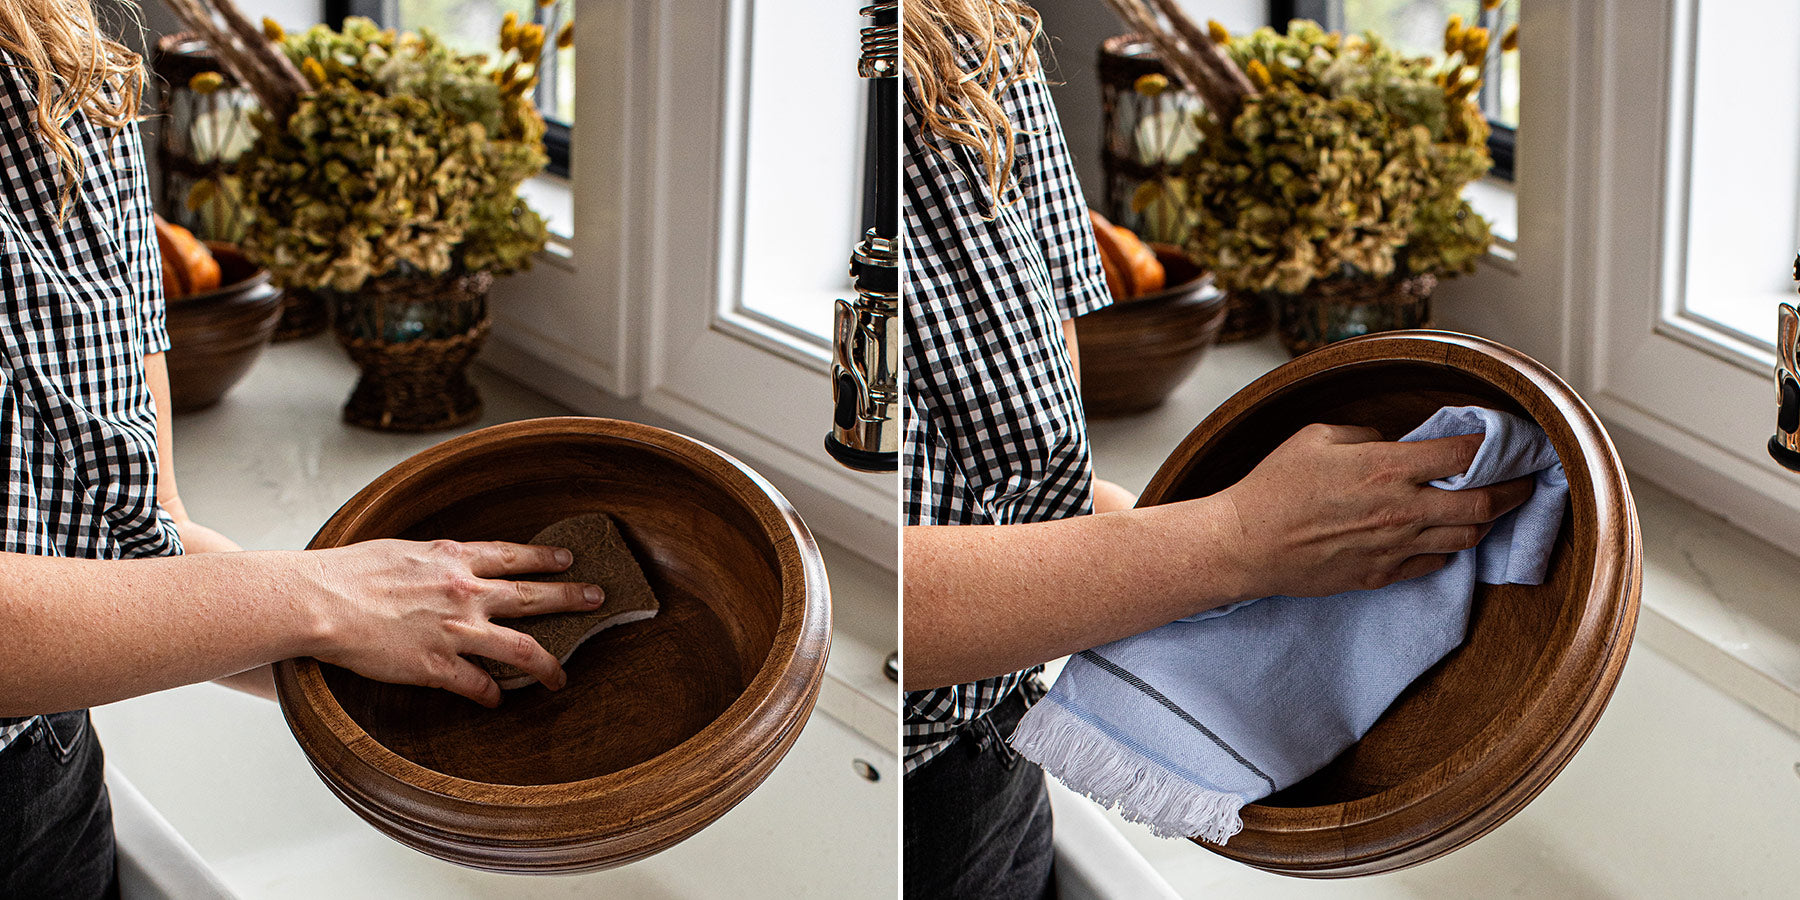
(1471, 741)
(1134, 352)
(664, 725)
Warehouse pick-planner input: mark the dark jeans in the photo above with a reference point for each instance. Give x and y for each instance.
(56, 837)
(978, 818)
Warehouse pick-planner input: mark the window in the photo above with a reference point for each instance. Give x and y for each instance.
(1417, 27)
(802, 173)
(1742, 180)
(1665, 210)
(473, 26)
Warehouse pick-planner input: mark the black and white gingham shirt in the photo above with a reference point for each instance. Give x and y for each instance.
(80, 306)
(995, 432)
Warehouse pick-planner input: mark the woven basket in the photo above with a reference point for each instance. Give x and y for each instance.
(419, 384)
(1337, 309)
(303, 314)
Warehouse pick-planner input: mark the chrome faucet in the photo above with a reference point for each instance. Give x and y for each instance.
(1785, 445)
(865, 359)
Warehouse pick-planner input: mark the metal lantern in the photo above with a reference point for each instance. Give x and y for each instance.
(1147, 129)
(202, 124)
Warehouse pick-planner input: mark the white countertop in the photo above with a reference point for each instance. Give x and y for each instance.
(267, 467)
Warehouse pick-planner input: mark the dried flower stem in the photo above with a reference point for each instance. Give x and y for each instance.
(1187, 49)
(245, 52)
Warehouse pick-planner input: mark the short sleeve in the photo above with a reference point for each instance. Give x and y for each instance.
(144, 264)
(1052, 196)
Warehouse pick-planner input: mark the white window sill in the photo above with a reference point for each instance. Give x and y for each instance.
(1498, 202)
(554, 199)
(1716, 599)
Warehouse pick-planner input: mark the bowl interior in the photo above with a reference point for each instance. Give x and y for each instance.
(1513, 626)
(634, 691)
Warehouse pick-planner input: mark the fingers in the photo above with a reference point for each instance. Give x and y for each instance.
(513, 599)
(1450, 538)
(1419, 566)
(495, 559)
(516, 648)
(471, 681)
(1435, 458)
(1476, 505)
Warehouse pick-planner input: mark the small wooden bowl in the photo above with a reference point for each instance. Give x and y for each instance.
(1134, 352)
(1478, 736)
(664, 724)
(215, 337)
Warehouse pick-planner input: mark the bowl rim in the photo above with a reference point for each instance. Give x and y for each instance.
(1502, 767)
(490, 825)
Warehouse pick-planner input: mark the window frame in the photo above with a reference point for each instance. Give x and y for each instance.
(1601, 200)
(556, 134)
(1502, 139)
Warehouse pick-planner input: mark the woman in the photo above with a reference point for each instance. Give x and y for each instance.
(97, 600)
(1043, 559)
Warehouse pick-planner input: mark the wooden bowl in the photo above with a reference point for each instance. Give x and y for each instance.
(1134, 352)
(664, 724)
(215, 337)
(1479, 735)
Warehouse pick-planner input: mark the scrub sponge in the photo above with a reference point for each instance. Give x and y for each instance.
(601, 558)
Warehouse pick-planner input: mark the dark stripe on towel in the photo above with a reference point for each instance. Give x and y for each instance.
(1169, 705)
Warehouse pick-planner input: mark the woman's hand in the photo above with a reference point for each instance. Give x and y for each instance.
(1337, 508)
(407, 612)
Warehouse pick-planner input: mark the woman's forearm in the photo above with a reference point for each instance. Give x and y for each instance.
(77, 633)
(985, 600)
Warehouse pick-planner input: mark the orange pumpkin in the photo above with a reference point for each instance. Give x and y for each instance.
(188, 267)
(1132, 269)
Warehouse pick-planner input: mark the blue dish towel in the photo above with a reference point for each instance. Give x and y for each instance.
(1181, 726)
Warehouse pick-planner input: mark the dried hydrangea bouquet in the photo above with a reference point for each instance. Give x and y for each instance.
(1329, 170)
(385, 175)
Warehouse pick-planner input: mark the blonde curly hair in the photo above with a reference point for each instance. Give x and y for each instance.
(77, 69)
(962, 105)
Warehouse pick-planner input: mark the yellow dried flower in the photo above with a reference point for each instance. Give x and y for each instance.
(206, 82)
(1464, 87)
(1475, 45)
(1509, 42)
(545, 4)
(314, 72)
(1217, 32)
(1491, 5)
(531, 41)
(1151, 84)
(200, 193)
(1453, 32)
(566, 37)
(509, 31)
(273, 31)
(1145, 194)
(1259, 74)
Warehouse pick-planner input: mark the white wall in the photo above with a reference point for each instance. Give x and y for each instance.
(1076, 28)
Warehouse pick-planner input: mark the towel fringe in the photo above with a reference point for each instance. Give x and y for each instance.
(1093, 765)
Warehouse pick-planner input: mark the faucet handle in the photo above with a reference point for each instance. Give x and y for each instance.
(1787, 340)
(1785, 445)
